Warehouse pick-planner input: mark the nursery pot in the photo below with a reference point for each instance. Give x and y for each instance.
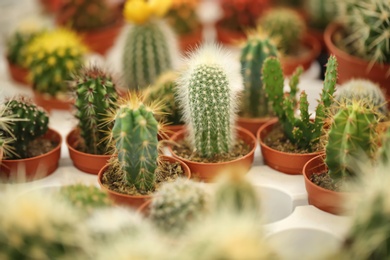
(326, 200)
(168, 130)
(136, 201)
(252, 124)
(18, 73)
(89, 163)
(290, 163)
(227, 36)
(189, 41)
(209, 171)
(51, 103)
(35, 167)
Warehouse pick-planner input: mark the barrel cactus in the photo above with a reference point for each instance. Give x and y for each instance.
(208, 94)
(302, 131)
(96, 96)
(176, 205)
(150, 45)
(257, 48)
(33, 122)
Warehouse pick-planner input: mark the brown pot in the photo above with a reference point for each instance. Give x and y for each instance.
(133, 200)
(209, 171)
(168, 130)
(227, 36)
(355, 67)
(89, 163)
(18, 73)
(189, 41)
(145, 208)
(252, 124)
(49, 103)
(290, 63)
(290, 163)
(36, 167)
(326, 200)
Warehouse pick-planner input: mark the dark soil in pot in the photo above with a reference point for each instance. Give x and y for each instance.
(324, 181)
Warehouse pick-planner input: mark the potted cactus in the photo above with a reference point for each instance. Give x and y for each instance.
(150, 46)
(360, 41)
(296, 46)
(134, 173)
(95, 97)
(298, 139)
(255, 109)
(50, 58)
(98, 22)
(208, 95)
(35, 147)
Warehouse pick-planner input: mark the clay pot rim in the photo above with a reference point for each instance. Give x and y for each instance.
(239, 129)
(265, 146)
(57, 147)
(254, 119)
(184, 166)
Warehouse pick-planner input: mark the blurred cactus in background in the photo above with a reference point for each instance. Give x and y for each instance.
(182, 16)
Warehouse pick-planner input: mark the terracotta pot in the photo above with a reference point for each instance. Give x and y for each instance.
(355, 67)
(189, 41)
(89, 163)
(209, 171)
(18, 73)
(167, 131)
(326, 200)
(290, 63)
(290, 163)
(252, 124)
(144, 208)
(51, 6)
(49, 103)
(36, 167)
(227, 36)
(133, 200)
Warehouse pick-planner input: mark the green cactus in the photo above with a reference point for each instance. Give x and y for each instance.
(302, 131)
(16, 46)
(34, 124)
(183, 17)
(85, 198)
(150, 49)
(256, 49)
(176, 205)
(95, 98)
(383, 154)
(320, 12)
(208, 94)
(164, 89)
(286, 26)
(51, 57)
(357, 89)
(135, 134)
(353, 130)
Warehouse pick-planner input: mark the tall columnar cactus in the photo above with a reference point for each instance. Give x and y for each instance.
(176, 205)
(286, 26)
(302, 131)
(358, 89)
(95, 98)
(353, 131)
(256, 49)
(51, 57)
(33, 124)
(150, 45)
(207, 91)
(135, 134)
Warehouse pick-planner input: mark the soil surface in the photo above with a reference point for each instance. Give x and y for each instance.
(40, 146)
(324, 181)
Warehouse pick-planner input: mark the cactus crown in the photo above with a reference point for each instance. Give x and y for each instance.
(142, 11)
(95, 97)
(286, 26)
(33, 123)
(208, 94)
(183, 17)
(51, 57)
(302, 131)
(256, 49)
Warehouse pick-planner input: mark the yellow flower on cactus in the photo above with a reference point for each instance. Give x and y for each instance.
(140, 11)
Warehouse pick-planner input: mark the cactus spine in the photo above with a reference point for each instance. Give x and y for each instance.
(255, 51)
(301, 131)
(95, 97)
(135, 134)
(208, 95)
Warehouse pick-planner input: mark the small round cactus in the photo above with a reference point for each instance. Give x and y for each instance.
(176, 205)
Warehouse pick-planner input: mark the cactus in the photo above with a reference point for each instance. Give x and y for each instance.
(286, 26)
(176, 205)
(16, 45)
(150, 45)
(85, 198)
(353, 130)
(383, 154)
(183, 17)
(164, 89)
(302, 131)
(135, 134)
(95, 97)
(320, 12)
(207, 92)
(256, 49)
(34, 124)
(50, 58)
(357, 89)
